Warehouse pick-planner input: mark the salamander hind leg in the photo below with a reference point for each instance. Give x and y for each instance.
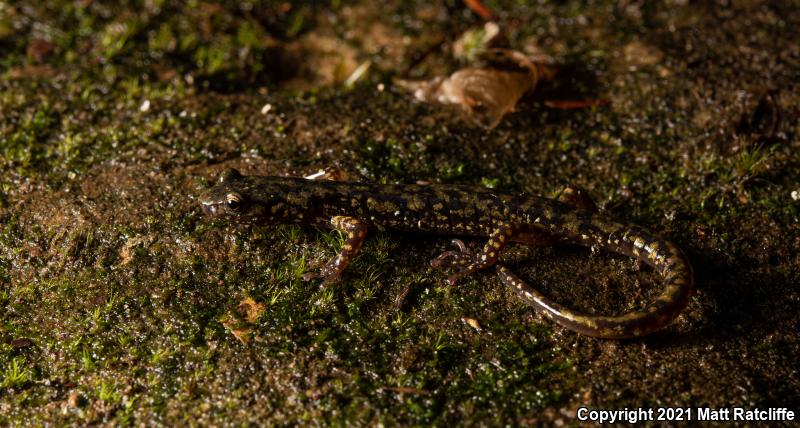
(467, 262)
(355, 232)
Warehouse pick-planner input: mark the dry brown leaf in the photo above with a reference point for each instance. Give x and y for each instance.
(483, 94)
(242, 334)
(250, 310)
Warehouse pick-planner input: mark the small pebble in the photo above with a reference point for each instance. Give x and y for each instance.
(75, 400)
(472, 322)
(145, 106)
(22, 342)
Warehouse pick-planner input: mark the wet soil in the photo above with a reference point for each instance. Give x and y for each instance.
(120, 303)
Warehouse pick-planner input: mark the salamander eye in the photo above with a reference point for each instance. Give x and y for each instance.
(233, 201)
(229, 175)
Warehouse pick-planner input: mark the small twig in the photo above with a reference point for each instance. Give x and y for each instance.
(427, 52)
(400, 300)
(404, 390)
(480, 9)
(575, 104)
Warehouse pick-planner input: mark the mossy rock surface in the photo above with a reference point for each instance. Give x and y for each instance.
(121, 303)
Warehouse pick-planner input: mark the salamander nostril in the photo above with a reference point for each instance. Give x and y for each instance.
(209, 209)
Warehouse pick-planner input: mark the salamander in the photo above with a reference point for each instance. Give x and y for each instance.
(355, 207)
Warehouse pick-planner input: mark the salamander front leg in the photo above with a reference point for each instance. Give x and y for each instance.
(355, 232)
(467, 262)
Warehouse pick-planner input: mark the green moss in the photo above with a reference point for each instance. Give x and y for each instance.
(115, 36)
(130, 296)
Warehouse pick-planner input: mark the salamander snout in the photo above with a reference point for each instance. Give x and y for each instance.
(221, 200)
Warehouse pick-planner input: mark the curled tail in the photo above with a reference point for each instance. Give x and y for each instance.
(668, 260)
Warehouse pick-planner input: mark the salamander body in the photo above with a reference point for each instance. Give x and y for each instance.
(356, 208)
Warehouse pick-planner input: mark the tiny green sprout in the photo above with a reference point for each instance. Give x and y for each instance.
(15, 374)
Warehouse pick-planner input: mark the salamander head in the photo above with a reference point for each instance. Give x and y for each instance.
(255, 199)
(226, 198)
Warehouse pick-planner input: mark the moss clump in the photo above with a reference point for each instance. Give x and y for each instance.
(120, 303)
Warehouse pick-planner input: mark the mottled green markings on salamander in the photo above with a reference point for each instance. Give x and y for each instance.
(355, 208)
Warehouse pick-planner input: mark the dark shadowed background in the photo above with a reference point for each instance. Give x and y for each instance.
(121, 303)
